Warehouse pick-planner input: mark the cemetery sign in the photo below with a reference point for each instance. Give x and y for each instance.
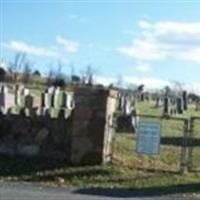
(148, 138)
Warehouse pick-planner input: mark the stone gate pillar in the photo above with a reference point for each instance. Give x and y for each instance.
(92, 127)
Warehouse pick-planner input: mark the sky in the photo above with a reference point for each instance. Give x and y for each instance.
(155, 43)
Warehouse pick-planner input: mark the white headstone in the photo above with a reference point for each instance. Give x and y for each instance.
(56, 97)
(4, 103)
(70, 101)
(26, 92)
(51, 90)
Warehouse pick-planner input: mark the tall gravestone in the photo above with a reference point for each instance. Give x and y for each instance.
(20, 97)
(142, 97)
(70, 101)
(157, 102)
(185, 100)
(57, 98)
(46, 101)
(123, 102)
(3, 98)
(166, 106)
(28, 105)
(119, 99)
(64, 100)
(16, 88)
(179, 105)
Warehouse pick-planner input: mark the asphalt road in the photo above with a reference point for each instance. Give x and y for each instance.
(30, 191)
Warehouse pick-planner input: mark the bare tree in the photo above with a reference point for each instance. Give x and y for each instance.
(15, 66)
(90, 75)
(50, 77)
(27, 72)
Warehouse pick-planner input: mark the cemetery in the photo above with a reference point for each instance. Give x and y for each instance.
(97, 130)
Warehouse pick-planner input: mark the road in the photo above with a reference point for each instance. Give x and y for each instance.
(31, 191)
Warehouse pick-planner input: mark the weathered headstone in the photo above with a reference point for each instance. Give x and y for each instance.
(185, 100)
(26, 91)
(70, 101)
(20, 97)
(51, 90)
(157, 102)
(64, 100)
(46, 102)
(57, 98)
(135, 119)
(166, 106)
(142, 97)
(179, 105)
(3, 98)
(29, 101)
(119, 99)
(123, 104)
(16, 88)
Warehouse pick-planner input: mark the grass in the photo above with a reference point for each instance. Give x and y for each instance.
(149, 108)
(128, 169)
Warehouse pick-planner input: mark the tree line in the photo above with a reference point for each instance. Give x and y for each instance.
(20, 69)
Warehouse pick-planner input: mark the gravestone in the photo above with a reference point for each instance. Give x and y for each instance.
(17, 97)
(47, 99)
(16, 88)
(25, 92)
(57, 98)
(3, 99)
(185, 100)
(70, 101)
(128, 106)
(119, 102)
(29, 101)
(179, 105)
(157, 102)
(135, 119)
(142, 97)
(20, 98)
(166, 106)
(46, 102)
(123, 105)
(64, 100)
(51, 90)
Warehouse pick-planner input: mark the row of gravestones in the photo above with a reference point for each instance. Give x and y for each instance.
(177, 106)
(52, 98)
(55, 98)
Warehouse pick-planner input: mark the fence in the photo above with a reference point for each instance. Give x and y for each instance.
(175, 151)
(194, 145)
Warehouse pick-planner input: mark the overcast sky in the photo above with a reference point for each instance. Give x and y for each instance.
(150, 42)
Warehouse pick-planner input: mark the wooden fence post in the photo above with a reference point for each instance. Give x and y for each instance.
(184, 160)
